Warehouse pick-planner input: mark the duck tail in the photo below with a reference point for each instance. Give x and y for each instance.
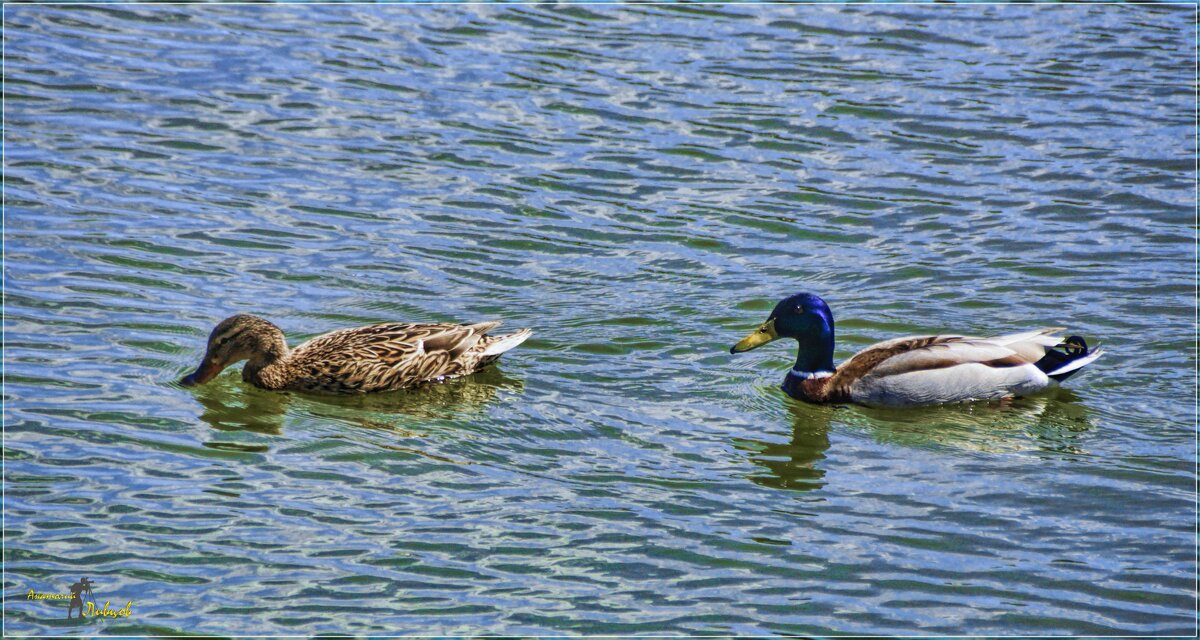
(497, 345)
(1067, 357)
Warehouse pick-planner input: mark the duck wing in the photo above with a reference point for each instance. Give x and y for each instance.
(949, 368)
(386, 356)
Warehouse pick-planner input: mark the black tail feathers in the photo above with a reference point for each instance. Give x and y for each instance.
(1071, 349)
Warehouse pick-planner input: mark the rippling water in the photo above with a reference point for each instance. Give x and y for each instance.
(639, 184)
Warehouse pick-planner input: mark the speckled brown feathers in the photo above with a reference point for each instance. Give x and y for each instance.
(380, 357)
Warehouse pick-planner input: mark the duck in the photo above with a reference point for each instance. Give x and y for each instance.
(918, 370)
(375, 358)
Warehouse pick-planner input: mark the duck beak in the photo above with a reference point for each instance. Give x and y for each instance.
(208, 369)
(761, 336)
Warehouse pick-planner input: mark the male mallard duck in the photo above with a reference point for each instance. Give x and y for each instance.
(381, 357)
(915, 371)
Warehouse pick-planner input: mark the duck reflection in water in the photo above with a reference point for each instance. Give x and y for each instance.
(232, 406)
(1049, 424)
(796, 464)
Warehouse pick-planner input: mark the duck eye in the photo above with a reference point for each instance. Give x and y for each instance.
(800, 309)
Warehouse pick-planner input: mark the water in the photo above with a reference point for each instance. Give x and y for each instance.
(639, 184)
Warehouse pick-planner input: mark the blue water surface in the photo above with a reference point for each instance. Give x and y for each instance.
(639, 184)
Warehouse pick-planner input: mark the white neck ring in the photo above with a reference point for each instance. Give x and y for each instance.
(809, 375)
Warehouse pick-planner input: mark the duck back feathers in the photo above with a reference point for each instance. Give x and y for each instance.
(926, 370)
(944, 369)
(389, 356)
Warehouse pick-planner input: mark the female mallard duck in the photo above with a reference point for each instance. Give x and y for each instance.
(381, 357)
(915, 371)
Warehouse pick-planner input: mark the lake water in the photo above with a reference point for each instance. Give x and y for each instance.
(639, 185)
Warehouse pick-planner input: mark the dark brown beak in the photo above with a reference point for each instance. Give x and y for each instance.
(207, 370)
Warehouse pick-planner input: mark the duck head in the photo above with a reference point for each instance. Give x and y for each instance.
(240, 337)
(805, 318)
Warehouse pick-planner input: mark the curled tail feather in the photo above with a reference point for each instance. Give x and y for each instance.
(1066, 358)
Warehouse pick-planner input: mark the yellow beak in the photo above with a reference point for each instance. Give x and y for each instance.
(761, 336)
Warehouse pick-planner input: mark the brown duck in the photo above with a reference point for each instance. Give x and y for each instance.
(381, 357)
